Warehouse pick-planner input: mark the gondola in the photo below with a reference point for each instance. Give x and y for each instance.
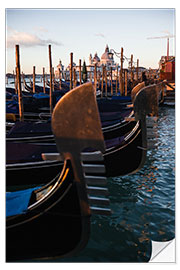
(38, 89)
(38, 104)
(122, 158)
(113, 125)
(64, 85)
(54, 220)
(118, 159)
(37, 130)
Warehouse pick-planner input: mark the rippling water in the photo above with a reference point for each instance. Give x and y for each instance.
(143, 205)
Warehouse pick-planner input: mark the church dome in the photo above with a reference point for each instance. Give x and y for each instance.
(105, 55)
(96, 58)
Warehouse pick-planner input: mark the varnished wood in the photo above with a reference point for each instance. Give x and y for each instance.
(18, 77)
(44, 81)
(71, 71)
(121, 74)
(34, 79)
(80, 82)
(50, 71)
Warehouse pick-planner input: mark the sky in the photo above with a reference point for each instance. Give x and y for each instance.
(85, 31)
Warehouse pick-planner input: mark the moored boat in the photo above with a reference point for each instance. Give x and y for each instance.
(39, 220)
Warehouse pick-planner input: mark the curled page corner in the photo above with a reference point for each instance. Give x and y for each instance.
(163, 251)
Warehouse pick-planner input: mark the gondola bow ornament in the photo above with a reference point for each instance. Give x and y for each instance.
(73, 136)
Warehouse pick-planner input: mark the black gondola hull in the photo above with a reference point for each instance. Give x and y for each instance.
(46, 231)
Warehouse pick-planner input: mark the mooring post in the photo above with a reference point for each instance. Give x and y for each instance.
(95, 76)
(74, 77)
(50, 71)
(116, 80)
(132, 68)
(102, 81)
(71, 71)
(126, 80)
(34, 79)
(99, 78)
(18, 78)
(121, 74)
(16, 81)
(120, 80)
(60, 86)
(111, 82)
(80, 72)
(105, 74)
(44, 81)
(53, 79)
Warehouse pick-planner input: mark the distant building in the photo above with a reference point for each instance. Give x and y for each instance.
(106, 60)
(59, 66)
(165, 59)
(167, 68)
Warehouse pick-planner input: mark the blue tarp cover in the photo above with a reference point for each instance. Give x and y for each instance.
(17, 201)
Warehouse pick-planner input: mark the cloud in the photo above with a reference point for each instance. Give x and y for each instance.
(100, 35)
(27, 40)
(40, 29)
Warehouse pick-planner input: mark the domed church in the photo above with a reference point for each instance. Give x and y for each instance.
(106, 59)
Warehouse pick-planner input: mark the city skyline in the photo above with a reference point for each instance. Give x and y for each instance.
(141, 32)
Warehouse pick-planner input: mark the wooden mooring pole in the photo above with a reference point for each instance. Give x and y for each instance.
(105, 74)
(16, 81)
(60, 86)
(80, 82)
(121, 74)
(44, 81)
(71, 71)
(120, 80)
(126, 80)
(34, 79)
(132, 77)
(111, 82)
(116, 80)
(102, 81)
(99, 78)
(53, 79)
(95, 76)
(74, 77)
(50, 71)
(18, 78)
